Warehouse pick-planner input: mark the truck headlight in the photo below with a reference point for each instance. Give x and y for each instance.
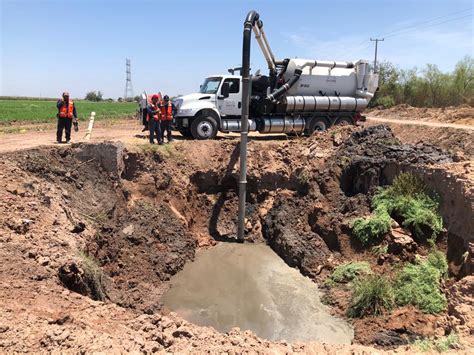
(185, 110)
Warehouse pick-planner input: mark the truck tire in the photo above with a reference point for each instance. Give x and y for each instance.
(204, 127)
(344, 121)
(318, 124)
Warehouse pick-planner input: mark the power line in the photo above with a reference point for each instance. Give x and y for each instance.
(414, 26)
(325, 48)
(386, 34)
(432, 25)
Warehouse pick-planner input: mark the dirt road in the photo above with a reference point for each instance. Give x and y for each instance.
(420, 123)
(125, 131)
(129, 132)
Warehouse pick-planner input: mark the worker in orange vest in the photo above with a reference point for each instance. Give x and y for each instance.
(67, 115)
(167, 109)
(154, 118)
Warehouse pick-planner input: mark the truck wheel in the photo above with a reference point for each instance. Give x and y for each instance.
(318, 124)
(204, 127)
(344, 121)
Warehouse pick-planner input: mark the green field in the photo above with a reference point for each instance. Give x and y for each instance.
(40, 111)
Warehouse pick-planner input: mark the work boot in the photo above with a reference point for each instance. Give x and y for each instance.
(160, 142)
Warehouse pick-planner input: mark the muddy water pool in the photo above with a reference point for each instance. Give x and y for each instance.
(250, 287)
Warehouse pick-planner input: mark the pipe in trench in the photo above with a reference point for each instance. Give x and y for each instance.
(250, 21)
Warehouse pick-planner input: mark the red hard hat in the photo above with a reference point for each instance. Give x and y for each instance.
(155, 97)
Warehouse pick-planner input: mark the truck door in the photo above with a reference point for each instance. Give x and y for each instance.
(232, 105)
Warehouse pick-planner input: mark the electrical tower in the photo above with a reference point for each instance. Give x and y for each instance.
(377, 40)
(128, 84)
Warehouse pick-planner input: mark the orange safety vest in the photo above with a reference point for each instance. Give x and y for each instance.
(156, 116)
(66, 110)
(166, 111)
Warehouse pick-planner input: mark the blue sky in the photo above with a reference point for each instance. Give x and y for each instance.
(48, 46)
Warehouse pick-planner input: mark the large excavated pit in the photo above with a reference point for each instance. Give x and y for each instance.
(120, 224)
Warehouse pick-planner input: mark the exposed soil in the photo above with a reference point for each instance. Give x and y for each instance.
(450, 128)
(91, 233)
(462, 115)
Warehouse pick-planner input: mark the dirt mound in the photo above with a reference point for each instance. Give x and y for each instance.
(463, 114)
(372, 150)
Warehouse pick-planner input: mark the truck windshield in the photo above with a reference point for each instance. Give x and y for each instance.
(210, 85)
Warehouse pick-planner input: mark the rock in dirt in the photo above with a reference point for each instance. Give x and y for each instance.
(128, 230)
(400, 241)
(16, 190)
(79, 227)
(43, 261)
(388, 338)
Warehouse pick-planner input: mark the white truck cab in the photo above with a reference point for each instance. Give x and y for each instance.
(201, 114)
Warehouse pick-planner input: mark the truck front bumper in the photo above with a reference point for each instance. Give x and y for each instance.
(182, 123)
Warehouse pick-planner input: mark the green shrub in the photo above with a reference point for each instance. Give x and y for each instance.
(418, 285)
(438, 260)
(369, 229)
(372, 295)
(407, 184)
(408, 199)
(386, 101)
(348, 272)
(441, 344)
(380, 249)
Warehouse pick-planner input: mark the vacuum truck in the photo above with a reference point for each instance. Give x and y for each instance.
(298, 96)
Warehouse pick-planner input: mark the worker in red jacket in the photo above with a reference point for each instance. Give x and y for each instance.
(67, 115)
(167, 109)
(153, 118)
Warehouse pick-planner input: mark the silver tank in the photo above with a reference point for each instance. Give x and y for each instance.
(282, 125)
(324, 103)
(327, 78)
(234, 125)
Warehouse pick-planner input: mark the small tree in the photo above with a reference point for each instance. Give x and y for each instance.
(91, 96)
(136, 98)
(94, 96)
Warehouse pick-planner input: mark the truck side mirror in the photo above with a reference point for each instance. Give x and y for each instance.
(225, 90)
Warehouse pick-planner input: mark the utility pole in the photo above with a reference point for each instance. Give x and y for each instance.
(128, 84)
(376, 40)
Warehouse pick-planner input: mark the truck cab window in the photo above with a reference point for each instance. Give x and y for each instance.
(210, 85)
(234, 85)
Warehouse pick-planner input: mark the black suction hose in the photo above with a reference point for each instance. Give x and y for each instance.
(250, 21)
(277, 93)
